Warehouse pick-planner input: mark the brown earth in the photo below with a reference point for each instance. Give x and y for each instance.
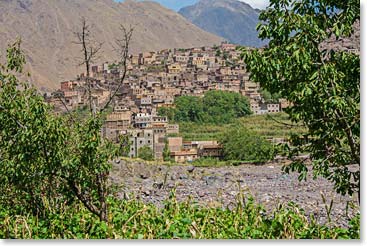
(47, 29)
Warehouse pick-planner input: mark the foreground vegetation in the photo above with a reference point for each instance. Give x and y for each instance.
(135, 220)
(321, 82)
(54, 169)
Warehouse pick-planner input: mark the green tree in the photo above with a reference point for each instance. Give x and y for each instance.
(323, 84)
(166, 152)
(216, 107)
(146, 153)
(268, 97)
(222, 107)
(188, 108)
(125, 145)
(45, 159)
(168, 112)
(49, 160)
(242, 145)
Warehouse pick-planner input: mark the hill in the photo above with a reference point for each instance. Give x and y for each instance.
(47, 29)
(231, 19)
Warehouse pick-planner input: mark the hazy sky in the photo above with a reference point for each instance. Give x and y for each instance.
(177, 4)
(260, 4)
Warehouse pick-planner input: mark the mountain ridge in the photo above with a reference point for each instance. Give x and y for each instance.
(231, 19)
(47, 27)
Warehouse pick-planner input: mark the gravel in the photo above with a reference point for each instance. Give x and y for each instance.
(219, 186)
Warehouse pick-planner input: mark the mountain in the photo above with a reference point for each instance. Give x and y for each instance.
(231, 19)
(175, 4)
(47, 30)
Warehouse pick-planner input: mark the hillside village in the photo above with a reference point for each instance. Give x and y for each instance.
(153, 80)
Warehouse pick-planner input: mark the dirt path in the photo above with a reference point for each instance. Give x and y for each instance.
(220, 186)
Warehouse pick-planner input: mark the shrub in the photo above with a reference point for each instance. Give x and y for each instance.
(242, 145)
(146, 153)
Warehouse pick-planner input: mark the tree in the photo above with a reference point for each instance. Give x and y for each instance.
(44, 158)
(241, 145)
(122, 49)
(146, 153)
(268, 97)
(166, 152)
(222, 107)
(188, 108)
(94, 152)
(168, 112)
(125, 145)
(215, 107)
(90, 49)
(50, 159)
(321, 82)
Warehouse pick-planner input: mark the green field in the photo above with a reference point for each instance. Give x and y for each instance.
(270, 126)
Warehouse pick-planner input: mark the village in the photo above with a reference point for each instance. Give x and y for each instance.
(154, 80)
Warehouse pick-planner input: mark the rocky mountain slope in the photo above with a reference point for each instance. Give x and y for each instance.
(234, 20)
(47, 29)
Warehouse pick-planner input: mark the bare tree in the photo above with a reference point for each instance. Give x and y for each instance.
(99, 177)
(122, 49)
(90, 49)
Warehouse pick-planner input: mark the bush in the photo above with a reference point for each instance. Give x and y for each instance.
(216, 107)
(134, 220)
(146, 153)
(242, 145)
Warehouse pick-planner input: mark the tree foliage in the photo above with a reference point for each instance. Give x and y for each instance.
(216, 107)
(323, 84)
(45, 160)
(146, 153)
(241, 145)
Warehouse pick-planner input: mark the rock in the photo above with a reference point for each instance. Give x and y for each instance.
(190, 169)
(118, 161)
(126, 196)
(210, 180)
(233, 193)
(183, 177)
(201, 193)
(144, 176)
(158, 185)
(146, 192)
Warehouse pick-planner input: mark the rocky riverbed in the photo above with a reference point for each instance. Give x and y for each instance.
(219, 186)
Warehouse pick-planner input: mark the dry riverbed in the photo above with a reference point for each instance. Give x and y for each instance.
(219, 186)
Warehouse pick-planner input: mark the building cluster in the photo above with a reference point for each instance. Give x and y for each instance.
(154, 80)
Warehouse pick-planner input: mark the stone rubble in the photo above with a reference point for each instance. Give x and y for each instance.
(220, 186)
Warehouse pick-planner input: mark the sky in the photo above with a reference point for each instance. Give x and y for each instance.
(177, 4)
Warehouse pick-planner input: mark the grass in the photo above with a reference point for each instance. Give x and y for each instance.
(132, 219)
(269, 126)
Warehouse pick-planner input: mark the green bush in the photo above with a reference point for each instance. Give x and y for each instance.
(146, 153)
(216, 107)
(242, 145)
(135, 220)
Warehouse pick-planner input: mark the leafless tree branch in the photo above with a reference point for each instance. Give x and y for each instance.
(122, 48)
(90, 50)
